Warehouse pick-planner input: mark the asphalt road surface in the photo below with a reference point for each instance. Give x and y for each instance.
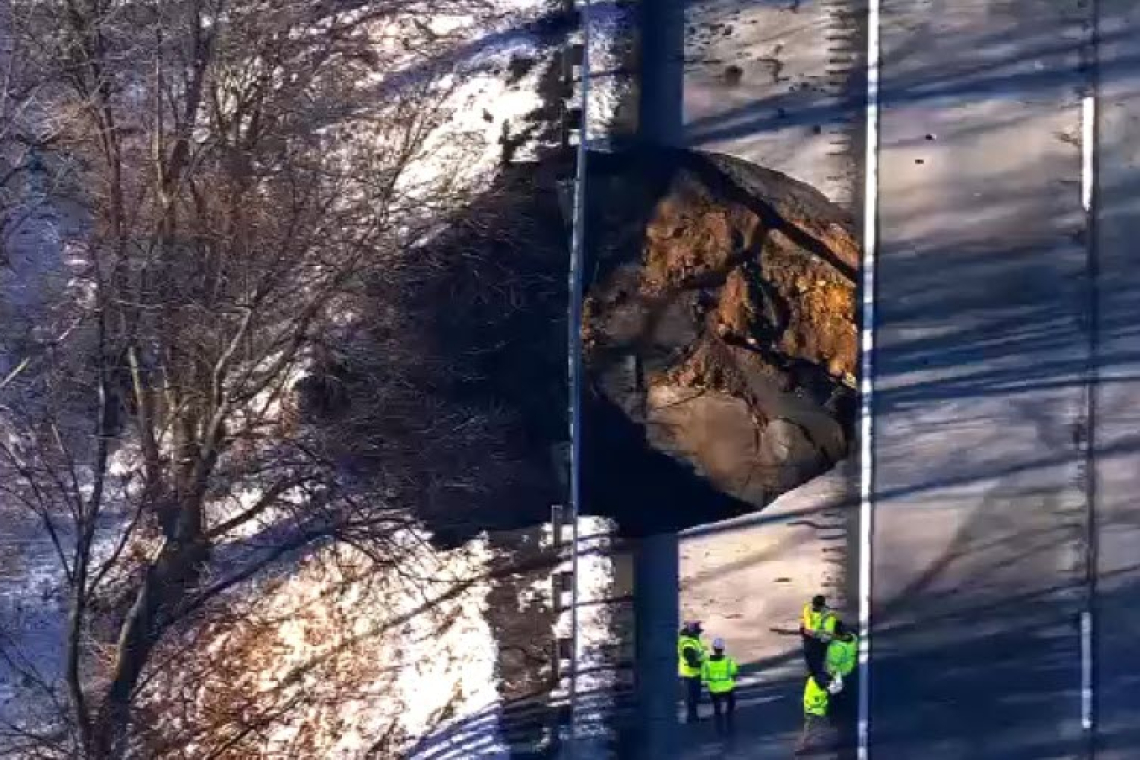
(985, 338)
(1116, 429)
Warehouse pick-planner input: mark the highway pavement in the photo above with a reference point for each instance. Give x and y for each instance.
(1116, 428)
(984, 342)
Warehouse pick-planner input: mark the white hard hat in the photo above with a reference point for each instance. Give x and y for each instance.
(836, 684)
(718, 643)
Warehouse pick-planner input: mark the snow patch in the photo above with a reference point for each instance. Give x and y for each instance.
(610, 24)
(372, 657)
(597, 655)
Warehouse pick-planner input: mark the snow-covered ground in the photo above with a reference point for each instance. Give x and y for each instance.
(485, 103)
(590, 608)
(362, 660)
(610, 28)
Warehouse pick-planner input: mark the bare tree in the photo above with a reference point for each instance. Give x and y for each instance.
(245, 165)
(12, 159)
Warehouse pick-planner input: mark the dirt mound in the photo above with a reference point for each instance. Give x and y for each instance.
(721, 321)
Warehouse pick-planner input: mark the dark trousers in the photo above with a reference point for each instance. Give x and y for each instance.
(843, 708)
(724, 706)
(817, 737)
(692, 698)
(815, 653)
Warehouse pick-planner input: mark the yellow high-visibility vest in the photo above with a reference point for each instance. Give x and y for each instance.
(683, 668)
(815, 698)
(719, 675)
(841, 655)
(818, 622)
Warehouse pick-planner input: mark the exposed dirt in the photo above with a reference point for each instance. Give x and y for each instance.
(721, 322)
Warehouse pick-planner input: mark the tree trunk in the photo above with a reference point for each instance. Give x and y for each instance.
(177, 568)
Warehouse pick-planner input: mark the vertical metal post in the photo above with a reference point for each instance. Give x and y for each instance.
(574, 337)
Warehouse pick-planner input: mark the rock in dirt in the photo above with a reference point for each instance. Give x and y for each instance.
(719, 329)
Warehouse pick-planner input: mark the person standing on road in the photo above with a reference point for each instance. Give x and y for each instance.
(842, 656)
(718, 673)
(818, 691)
(690, 656)
(817, 625)
(842, 652)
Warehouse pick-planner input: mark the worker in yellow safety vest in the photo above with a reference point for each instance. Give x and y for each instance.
(690, 656)
(718, 673)
(818, 691)
(842, 652)
(817, 626)
(842, 655)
